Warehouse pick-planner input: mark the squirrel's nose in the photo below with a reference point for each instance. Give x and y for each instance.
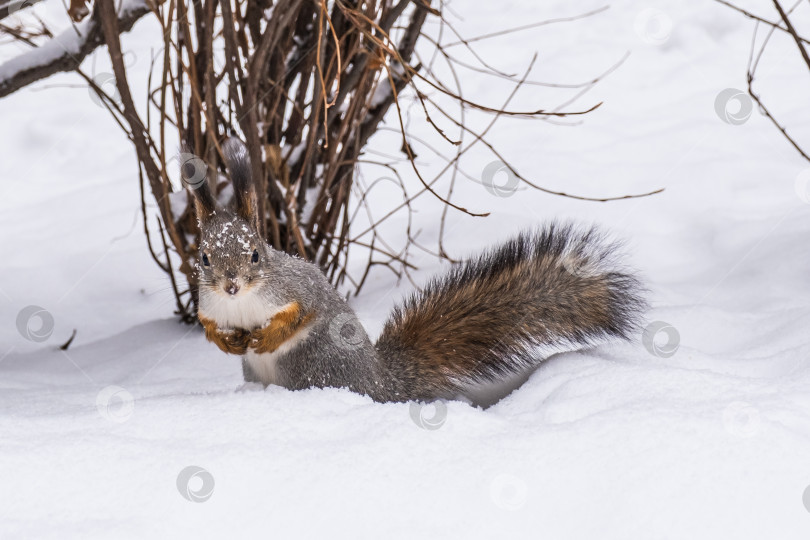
(231, 287)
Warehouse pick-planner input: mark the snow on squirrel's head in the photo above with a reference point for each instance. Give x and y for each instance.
(232, 253)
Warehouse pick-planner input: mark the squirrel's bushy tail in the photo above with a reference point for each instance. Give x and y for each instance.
(558, 286)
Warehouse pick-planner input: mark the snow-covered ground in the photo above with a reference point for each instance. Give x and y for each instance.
(611, 443)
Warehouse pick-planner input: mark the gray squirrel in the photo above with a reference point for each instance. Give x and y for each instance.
(482, 321)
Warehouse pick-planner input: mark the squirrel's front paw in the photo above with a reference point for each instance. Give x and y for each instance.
(231, 341)
(281, 327)
(258, 345)
(264, 340)
(238, 340)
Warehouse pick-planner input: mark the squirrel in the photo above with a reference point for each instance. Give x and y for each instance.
(556, 286)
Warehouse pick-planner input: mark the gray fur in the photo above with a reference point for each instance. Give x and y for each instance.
(336, 352)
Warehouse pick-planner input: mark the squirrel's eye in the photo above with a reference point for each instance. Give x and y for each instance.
(255, 257)
(205, 260)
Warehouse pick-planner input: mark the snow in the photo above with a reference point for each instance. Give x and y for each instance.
(309, 206)
(178, 201)
(612, 442)
(68, 42)
(381, 93)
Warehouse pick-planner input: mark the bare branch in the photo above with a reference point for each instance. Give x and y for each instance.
(756, 17)
(66, 51)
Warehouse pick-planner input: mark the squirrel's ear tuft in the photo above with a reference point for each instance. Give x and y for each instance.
(194, 172)
(237, 160)
(205, 206)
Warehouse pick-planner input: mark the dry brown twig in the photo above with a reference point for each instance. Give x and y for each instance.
(305, 86)
(756, 55)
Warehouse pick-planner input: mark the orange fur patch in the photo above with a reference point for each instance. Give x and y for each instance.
(230, 341)
(283, 326)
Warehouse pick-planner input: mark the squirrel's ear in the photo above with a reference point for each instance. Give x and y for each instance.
(237, 161)
(194, 172)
